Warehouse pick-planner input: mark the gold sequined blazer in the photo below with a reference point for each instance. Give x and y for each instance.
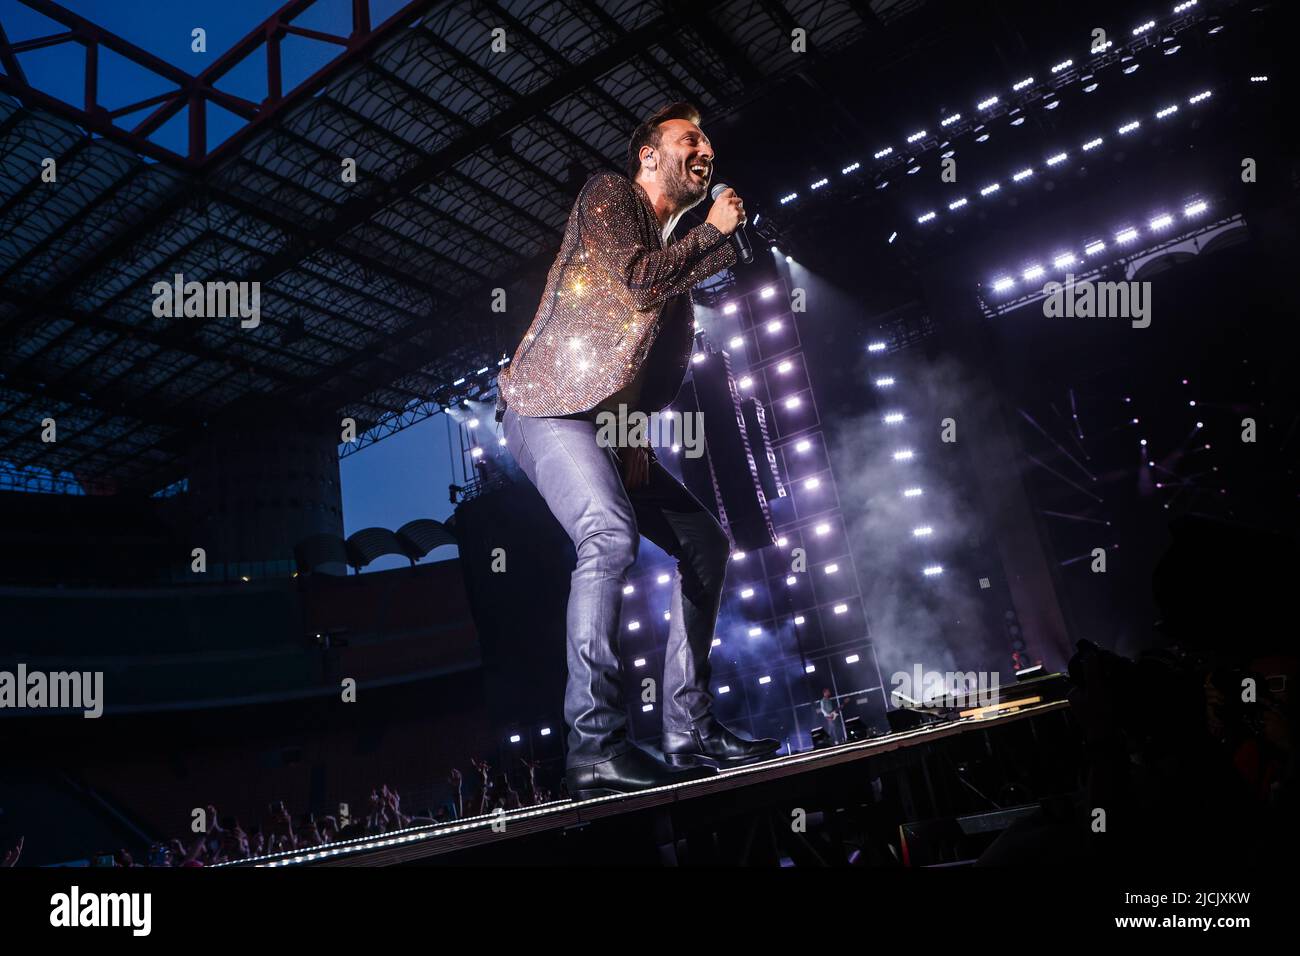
(603, 306)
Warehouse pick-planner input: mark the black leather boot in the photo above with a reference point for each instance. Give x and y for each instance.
(629, 772)
(709, 743)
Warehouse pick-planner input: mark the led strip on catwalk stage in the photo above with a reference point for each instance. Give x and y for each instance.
(401, 846)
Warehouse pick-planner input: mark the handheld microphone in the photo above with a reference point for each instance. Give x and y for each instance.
(744, 252)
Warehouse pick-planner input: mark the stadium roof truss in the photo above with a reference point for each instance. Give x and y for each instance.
(373, 294)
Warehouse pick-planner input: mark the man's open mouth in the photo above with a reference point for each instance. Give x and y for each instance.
(700, 170)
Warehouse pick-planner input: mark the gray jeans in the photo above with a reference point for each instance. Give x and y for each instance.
(582, 484)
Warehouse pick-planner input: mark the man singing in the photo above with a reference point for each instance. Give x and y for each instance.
(614, 331)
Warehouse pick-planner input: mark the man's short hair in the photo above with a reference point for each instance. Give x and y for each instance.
(649, 133)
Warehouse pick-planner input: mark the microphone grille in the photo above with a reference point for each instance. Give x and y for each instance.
(717, 190)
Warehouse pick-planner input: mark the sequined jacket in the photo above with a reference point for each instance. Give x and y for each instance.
(603, 307)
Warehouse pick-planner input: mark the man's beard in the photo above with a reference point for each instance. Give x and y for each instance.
(683, 191)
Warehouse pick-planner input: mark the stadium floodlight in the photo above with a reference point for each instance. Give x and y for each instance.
(1063, 65)
(1033, 272)
(985, 104)
(919, 134)
(926, 218)
(881, 154)
(1058, 158)
(1001, 285)
(1027, 81)
(1195, 208)
(1128, 127)
(990, 189)
(1023, 174)
(1127, 235)
(1092, 144)
(1092, 248)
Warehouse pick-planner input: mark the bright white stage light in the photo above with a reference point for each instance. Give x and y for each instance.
(990, 189)
(820, 183)
(841, 609)
(1206, 94)
(915, 136)
(629, 589)
(926, 218)
(765, 679)
(1195, 209)
(1129, 127)
(922, 532)
(501, 441)
(809, 668)
(639, 662)
(1187, 5)
(736, 342)
(738, 556)
(767, 292)
(823, 528)
(932, 570)
(646, 708)
(957, 203)
(1254, 79)
(950, 120)
(724, 689)
(1092, 144)
(476, 452)
(747, 593)
(755, 631)
(785, 366)
(1167, 111)
(1058, 158)
(1092, 248)
(1064, 260)
(893, 418)
(782, 541)
(876, 347)
(545, 731)
(791, 580)
(1103, 47)
(699, 357)
(514, 738)
(985, 104)
(1063, 65)
(812, 484)
(1128, 235)
(1022, 84)
(912, 493)
(884, 382)
(1003, 284)
(1161, 221)
(473, 423)
(717, 642)
(798, 619)
(729, 308)
(792, 401)
(667, 616)
(634, 626)
(904, 455)
(849, 168)
(1023, 174)
(882, 153)
(663, 579)
(775, 324)
(803, 445)
(791, 197)
(1144, 27)
(1033, 272)
(746, 382)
